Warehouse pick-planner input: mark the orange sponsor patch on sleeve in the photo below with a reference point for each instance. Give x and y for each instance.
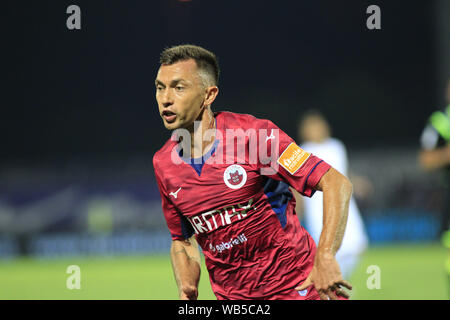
(293, 157)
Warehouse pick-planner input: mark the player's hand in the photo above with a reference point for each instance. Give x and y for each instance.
(327, 278)
(188, 292)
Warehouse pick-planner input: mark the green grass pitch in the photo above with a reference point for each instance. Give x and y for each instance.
(407, 272)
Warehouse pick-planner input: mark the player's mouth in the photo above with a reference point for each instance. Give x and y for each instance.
(169, 116)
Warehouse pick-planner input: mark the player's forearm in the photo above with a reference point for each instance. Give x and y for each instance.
(435, 159)
(185, 258)
(337, 190)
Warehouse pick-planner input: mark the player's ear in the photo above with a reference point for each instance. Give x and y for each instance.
(210, 95)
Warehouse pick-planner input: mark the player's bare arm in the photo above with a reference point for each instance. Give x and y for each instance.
(326, 275)
(435, 159)
(185, 257)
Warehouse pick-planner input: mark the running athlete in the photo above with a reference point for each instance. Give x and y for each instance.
(435, 155)
(224, 181)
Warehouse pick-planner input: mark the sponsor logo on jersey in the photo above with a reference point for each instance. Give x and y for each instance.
(235, 176)
(229, 244)
(214, 219)
(292, 158)
(175, 194)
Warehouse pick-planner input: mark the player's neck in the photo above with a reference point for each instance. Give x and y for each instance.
(203, 133)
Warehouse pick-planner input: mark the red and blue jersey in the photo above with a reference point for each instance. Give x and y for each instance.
(242, 216)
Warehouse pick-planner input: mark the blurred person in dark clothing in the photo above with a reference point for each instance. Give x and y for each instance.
(435, 151)
(435, 155)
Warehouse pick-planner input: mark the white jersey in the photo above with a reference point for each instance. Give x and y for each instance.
(355, 239)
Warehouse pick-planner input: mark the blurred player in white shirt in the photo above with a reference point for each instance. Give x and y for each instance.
(314, 132)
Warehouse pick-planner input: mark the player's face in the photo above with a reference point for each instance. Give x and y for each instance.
(180, 94)
(314, 129)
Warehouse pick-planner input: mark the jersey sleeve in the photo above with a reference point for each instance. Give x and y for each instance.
(429, 138)
(179, 226)
(290, 163)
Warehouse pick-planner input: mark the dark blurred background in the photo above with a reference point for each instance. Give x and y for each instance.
(91, 92)
(79, 122)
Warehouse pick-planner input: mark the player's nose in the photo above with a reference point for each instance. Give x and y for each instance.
(166, 98)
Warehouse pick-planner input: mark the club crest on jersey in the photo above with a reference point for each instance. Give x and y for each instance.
(235, 176)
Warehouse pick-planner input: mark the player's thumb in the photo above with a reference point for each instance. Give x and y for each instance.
(305, 283)
(189, 292)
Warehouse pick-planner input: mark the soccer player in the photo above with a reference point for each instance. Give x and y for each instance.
(435, 155)
(315, 134)
(435, 151)
(224, 181)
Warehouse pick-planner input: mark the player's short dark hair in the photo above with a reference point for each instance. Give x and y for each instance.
(205, 60)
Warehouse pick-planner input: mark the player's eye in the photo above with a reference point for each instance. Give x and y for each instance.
(159, 88)
(179, 88)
